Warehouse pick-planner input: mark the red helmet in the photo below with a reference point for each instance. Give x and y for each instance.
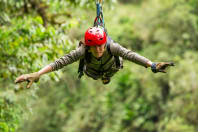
(95, 36)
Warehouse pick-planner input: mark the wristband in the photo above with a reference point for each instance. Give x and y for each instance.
(153, 68)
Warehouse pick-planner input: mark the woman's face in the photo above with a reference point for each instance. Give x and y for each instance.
(97, 51)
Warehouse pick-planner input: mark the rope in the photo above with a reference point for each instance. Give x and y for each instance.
(99, 20)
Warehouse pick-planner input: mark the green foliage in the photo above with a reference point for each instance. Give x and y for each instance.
(3, 127)
(26, 46)
(169, 23)
(178, 125)
(10, 113)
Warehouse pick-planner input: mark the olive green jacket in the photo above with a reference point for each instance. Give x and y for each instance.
(103, 64)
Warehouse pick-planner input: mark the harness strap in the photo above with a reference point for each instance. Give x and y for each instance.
(117, 59)
(80, 68)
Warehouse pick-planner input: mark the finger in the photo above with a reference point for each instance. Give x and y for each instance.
(165, 64)
(20, 79)
(29, 84)
(169, 64)
(17, 79)
(163, 67)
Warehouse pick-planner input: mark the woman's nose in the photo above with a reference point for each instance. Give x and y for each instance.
(97, 48)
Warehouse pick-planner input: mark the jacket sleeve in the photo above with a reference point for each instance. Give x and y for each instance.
(73, 56)
(118, 50)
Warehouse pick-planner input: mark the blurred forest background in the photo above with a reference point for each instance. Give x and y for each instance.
(33, 33)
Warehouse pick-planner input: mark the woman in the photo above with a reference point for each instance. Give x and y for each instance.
(100, 58)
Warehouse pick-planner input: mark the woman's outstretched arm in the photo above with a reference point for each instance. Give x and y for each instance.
(73, 56)
(127, 54)
(33, 77)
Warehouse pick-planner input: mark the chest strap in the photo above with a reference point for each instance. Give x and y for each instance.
(117, 59)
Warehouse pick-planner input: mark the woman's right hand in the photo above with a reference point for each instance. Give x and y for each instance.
(30, 78)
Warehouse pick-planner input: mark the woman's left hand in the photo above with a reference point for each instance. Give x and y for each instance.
(161, 66)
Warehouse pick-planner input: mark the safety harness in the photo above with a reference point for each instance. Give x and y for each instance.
(99, 21)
